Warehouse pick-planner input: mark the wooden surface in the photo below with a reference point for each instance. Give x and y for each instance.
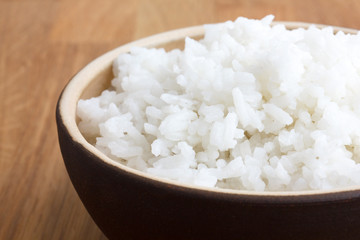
(43, 43)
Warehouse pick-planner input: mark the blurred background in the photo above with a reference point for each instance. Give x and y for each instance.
(44, 43)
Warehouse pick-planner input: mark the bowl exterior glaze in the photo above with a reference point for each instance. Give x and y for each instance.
(127, 206)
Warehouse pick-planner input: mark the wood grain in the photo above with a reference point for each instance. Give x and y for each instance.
(43, 43)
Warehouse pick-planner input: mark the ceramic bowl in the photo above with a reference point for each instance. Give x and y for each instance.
(128, 204)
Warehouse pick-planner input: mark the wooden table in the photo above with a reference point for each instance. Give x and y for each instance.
(44, 43)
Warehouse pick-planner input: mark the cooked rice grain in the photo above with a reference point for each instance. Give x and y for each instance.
(250, 106)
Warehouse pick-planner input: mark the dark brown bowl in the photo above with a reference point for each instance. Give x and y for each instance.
(129, 204)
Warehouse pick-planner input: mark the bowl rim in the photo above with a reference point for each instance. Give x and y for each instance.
(71, 93)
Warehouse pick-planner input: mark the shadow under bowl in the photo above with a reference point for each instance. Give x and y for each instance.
(128, 204)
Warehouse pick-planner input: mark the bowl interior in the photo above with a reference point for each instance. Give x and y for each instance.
(97, 76)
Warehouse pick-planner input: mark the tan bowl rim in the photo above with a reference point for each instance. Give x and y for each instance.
(73, 90)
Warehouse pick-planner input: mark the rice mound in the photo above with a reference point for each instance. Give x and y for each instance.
(250, 106)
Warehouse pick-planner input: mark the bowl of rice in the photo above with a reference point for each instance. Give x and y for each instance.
(239, 130)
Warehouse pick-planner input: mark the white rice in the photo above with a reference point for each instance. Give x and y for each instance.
(250, 106)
